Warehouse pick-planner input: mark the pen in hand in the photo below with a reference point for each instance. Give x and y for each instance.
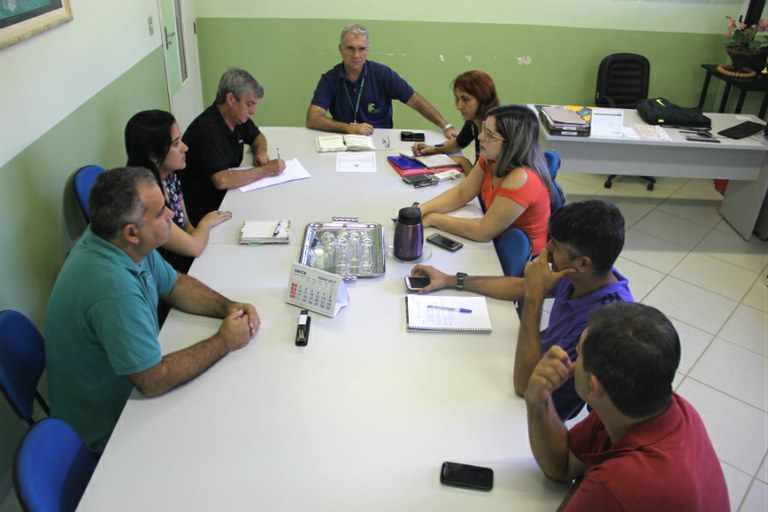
(446, 308)
(278, 153)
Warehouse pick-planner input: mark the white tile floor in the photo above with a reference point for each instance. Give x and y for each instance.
(682, 258)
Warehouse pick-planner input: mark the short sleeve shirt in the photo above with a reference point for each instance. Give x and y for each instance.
(101, 326)
(567, 320)
(213, 147)
(369, 100)
(533, 196)
(664, 463)
(172, 185)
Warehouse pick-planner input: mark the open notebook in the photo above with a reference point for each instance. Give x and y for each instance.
(443, 313)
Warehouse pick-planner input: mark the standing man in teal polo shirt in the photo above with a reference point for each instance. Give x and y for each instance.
(101, 324)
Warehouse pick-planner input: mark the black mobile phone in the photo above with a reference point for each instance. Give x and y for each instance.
(416, 283)
(411, 136)
(417, 178)
(427, 183)
(467, 476)
(444, 242)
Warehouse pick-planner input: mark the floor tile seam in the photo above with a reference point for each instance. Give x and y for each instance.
(727, 394)
(736, 302)
(752, 352)
(746, 494)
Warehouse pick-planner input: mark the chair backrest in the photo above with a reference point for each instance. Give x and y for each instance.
(22, 361)
(83, 181)
(553, 162)
(52, 468)
(622, 80)
(514, 250)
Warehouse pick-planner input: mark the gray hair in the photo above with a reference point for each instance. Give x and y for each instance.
(356, 29)
(239, 82)
(520, 129)
(114, 200)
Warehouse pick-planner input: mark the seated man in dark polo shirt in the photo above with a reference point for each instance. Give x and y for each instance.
(358, 93)
(216, 139)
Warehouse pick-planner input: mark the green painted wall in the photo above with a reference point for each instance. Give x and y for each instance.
(41, 216)
(33, 246)
(289, 55)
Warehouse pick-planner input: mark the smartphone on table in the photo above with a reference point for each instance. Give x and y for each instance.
(444, 242)
(465, 475)
(416, 283)
(420, 180)
(406, 136)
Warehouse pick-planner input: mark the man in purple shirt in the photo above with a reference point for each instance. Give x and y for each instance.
(576, 268)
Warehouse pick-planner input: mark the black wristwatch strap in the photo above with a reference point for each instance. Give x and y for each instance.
(460, 276)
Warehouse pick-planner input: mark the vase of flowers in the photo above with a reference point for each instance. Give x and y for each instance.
(748, 52)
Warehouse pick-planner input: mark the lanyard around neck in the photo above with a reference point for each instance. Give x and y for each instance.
(356, 105)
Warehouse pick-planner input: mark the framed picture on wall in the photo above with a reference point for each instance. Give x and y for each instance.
(20, 19)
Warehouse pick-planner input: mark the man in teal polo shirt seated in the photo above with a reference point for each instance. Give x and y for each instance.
(101, 324)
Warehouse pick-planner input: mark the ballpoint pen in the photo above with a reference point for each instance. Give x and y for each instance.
(446, 308)
(278, 153)
(277, 230)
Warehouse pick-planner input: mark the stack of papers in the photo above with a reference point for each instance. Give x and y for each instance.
(565, 121)
(333, 143)
(265, 232)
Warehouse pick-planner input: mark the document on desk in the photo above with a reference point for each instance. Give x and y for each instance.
(607, 122)
(646, 132)
(293, 171)
(363, 161)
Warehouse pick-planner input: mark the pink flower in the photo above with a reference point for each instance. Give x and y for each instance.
(730, 28)
(742, 25)
(762, 25)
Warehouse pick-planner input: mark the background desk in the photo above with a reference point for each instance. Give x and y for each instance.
(743, 162)
(758, 83)
(361, 418)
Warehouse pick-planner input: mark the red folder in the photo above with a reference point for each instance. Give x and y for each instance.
(407, 167)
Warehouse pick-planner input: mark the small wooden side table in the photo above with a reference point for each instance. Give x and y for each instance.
(758, 83)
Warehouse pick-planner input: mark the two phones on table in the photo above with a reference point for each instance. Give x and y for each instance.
(699, 136)
(416, 283)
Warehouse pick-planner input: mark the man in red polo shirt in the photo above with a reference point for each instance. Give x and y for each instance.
(643, 447)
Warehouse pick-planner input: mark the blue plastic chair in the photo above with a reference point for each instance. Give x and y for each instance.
(83, 181)
(514, 250)
(22, 361)
(553, 163)
(52, 468)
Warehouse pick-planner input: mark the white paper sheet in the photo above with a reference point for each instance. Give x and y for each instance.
(607, 122)
(353, 161)
(293, 171)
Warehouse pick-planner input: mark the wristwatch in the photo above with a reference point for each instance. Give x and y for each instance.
(449, 125)
(460, 276)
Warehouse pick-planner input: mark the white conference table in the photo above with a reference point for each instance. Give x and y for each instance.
(361, 418)
(744, 162)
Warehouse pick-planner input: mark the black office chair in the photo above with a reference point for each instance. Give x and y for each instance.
(622, 82)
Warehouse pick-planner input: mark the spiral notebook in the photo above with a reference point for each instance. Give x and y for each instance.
(443, 313)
